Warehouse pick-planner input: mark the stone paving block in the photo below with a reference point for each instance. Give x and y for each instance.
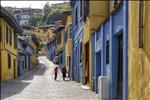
(39, 84)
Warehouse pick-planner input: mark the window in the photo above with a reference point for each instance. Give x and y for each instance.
(14, 68)
(10, 36)
(81, 3)
(59, 38)
(81, 52)
(9, 61)
(86, 9)
(6, 33)
(0, 33)
(76, 16)
(69, 32)
(107, 52)
(15, 40)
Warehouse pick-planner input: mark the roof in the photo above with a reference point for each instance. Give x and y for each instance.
(47, 26)
(10, 19)
(65, 14)
(58, 28)
(28, 27)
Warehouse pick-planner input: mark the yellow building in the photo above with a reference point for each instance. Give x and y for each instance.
(68, 44)
(98, 11)
(9, 28)
(34, 45)
(40, 33)
(59, 31)
(139, 50)
(59, 37)
(49, 33)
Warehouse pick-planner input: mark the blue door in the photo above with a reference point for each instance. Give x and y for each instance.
(93, 60)
(98, 69)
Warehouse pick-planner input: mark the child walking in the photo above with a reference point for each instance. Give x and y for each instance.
(56, 72)
(64, 72)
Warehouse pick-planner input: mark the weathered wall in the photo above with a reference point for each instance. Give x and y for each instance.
(68, 49)
(5, 71)
(146, 28)
(138, 58)
(100, 8)
(60, 45)
(68, 46)
(1, 34)
(40, 33)
(68, 21)
(98, 11)
(8, 73)
(33, 56)
(86, 31)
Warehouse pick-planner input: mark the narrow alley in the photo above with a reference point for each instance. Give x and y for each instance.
(39, 84)
(97, 50)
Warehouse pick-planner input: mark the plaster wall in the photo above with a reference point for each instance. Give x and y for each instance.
(139, 58)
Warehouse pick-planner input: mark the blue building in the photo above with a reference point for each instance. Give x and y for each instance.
(77, 27)
(109, 53)
(21, 56)
(60, 53)
(51, 49)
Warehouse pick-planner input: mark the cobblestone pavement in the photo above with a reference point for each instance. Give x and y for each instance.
(39, 84)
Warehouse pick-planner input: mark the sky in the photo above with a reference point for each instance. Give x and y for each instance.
(28, 3)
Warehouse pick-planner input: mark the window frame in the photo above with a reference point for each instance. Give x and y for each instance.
(76, 16)
(81, 52)
(0, 33)
(81, 9)
(9, 61)
(107, 51)
(10, 36)
(15, 40)
(7, 34)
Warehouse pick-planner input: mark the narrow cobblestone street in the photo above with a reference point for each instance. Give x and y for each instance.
(39, 84)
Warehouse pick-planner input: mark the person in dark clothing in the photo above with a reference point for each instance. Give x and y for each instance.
(55, 71)
(64, 72)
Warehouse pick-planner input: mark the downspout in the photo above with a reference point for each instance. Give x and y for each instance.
(140, 24)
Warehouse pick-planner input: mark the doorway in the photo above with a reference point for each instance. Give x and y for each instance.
(0, 67)
(69, 66)
(120, 68)
(86, 71)
(14, 68)
(98, 69)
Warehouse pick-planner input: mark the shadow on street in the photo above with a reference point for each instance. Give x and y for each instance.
(16, 86)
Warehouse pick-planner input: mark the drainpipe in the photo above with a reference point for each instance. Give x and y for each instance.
(140, 24)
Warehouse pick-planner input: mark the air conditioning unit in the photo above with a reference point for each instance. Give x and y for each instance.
(103, 88)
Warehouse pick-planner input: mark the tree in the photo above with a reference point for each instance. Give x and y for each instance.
(52, 14)
(46, 10)
(35, 20)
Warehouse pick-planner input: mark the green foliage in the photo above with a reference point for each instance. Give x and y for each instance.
(51, 14)
(35, 20)
(46, 10)
(54, 13)
(41, 46)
